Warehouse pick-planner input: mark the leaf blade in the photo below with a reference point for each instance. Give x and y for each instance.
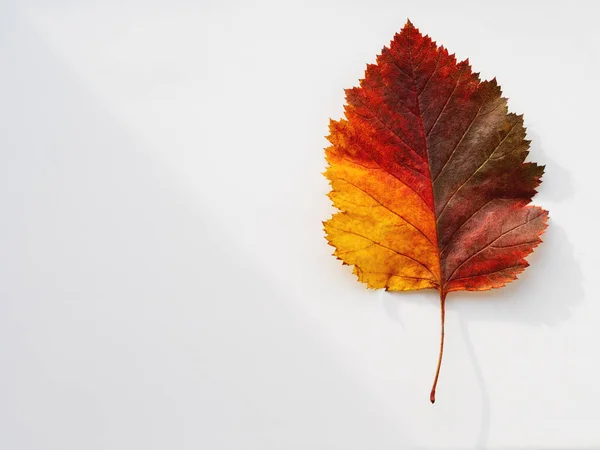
(424, 140)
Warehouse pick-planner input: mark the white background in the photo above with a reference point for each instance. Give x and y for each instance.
(164, 279)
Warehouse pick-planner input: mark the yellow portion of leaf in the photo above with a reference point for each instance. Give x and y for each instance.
(384, 229)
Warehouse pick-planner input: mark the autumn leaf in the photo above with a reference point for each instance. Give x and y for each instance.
(427, 171)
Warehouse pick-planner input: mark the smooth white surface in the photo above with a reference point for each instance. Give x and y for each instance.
(164, 279)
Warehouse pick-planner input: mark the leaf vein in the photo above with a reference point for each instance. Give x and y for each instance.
(387, 127)
(431, 76)
(458, 144)
(379, 167)
(445, 104)
(491, 243)
(387, 248)
(488, 273)
(399, 276)
(476, 171)
(515, 245)
(390, 210)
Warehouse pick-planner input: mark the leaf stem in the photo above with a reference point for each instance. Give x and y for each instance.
(439, 364)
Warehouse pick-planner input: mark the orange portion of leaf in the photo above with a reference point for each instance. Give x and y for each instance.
(427, 170)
